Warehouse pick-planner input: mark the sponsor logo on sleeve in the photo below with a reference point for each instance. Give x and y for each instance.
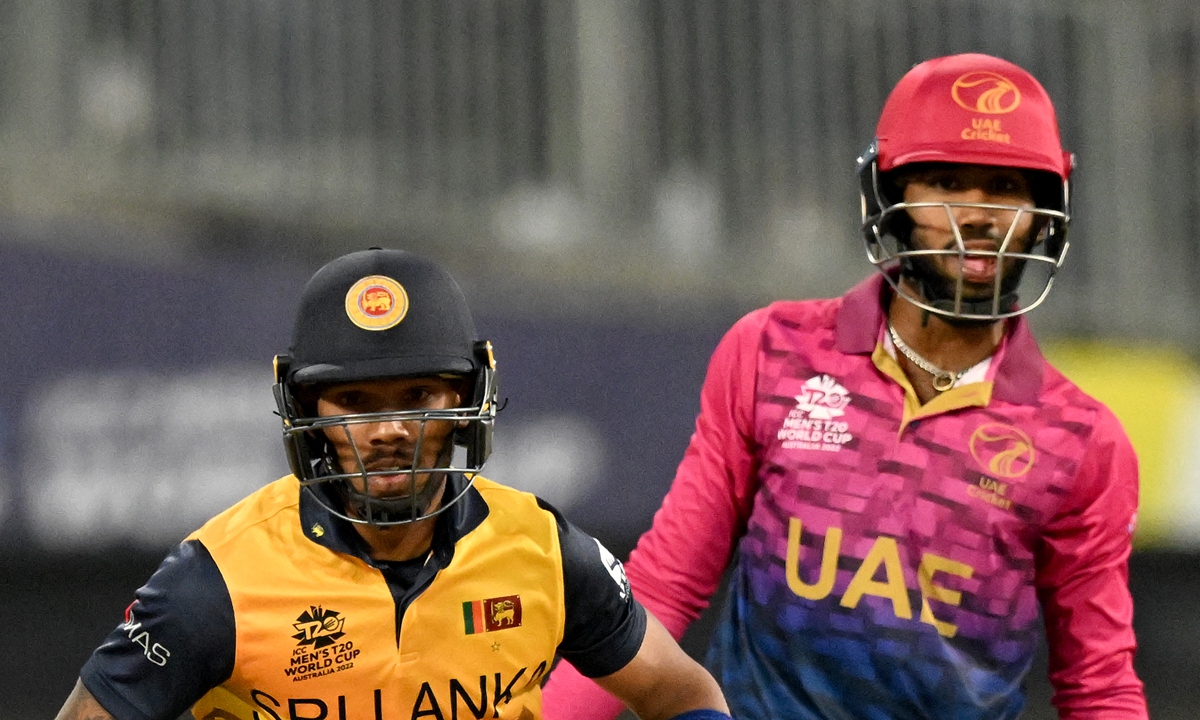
(132, 627)
(615, 570)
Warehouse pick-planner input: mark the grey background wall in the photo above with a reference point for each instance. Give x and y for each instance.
(613, 181)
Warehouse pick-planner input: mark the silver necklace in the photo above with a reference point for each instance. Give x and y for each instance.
(943, 380)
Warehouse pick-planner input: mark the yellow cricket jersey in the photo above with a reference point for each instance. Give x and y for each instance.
(274, 611)
(319, 635)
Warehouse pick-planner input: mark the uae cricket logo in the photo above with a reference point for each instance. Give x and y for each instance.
(986, 92)
(813, 424)
(499, 613)
(318, 627)
(1003, 450)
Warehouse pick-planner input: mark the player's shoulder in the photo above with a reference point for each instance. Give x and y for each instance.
(506, 499)
(513, 512)
(491, 489)
(263, 506)
(807, 315)
(1058, 390)
(1060, 395)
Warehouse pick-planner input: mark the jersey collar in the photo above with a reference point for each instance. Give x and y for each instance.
(1018, 376)
(328, 530)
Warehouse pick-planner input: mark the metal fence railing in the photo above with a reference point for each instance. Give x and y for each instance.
(736, 121)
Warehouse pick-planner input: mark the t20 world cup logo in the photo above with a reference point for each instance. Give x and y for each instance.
(823, 398)
(318, 627)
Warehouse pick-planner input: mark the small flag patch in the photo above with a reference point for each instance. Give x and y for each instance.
(492, 614)
(473, 616)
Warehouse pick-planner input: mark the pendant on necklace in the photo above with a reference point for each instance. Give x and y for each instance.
(943, 380)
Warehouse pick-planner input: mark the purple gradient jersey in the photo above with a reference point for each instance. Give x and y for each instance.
(891, 558)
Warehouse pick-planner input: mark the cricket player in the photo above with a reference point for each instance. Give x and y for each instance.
(384, 578)
(908, 492)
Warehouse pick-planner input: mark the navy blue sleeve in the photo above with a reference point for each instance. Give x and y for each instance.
(604, 625)
(176, 644)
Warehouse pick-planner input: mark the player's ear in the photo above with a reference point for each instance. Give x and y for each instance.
(462, 391)
(306, 397)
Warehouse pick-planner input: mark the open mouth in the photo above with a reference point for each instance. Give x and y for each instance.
(978, 265)
(978, 269)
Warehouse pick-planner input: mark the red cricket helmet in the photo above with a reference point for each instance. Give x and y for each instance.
(971, 109)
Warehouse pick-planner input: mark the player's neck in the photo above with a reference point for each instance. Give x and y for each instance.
(949, 347)
(403, 541)
(398, 542)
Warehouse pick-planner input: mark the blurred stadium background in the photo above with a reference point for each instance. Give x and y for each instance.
(613, 181)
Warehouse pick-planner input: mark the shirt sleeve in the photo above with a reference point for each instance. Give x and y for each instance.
(1083, 585)
(177, 642)
(677, 565)
(604, 625)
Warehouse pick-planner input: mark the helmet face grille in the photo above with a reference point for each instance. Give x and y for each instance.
(1029, 271)
(345, 491)
(1032, 271)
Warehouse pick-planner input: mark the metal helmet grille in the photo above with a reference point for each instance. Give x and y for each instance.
(344, 491)
(1029, 270)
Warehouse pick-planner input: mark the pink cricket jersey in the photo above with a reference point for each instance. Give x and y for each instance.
(891, 558)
